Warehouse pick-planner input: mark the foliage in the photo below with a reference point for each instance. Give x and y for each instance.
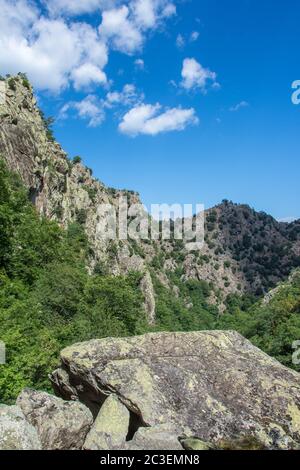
(272, 326)
(47, 122)
(47, 298)
(77, 160)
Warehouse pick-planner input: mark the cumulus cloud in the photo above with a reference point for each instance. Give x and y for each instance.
(90, 109)
(125, 26)
(129, 96)
(86, 75)
(93, 109)
(55, 50)
(152, 120)
(237, 107)
(117, 27)
(194, 76)
(76, 7)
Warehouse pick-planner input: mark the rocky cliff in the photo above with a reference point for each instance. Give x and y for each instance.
(244, 251)
(164, 391)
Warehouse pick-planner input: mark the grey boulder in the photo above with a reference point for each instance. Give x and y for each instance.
(61, 425)
(213, 385)
(15, 432)
(110, 428)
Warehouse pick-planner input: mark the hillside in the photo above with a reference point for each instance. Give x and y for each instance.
(60, 284)
(244, 251)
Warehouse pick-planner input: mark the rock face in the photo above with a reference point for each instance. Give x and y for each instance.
(214, 386)
(59, 188)
(61, 425)
(15, 432)
(110, 428)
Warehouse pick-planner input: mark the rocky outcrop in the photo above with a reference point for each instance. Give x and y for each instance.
(243, 250)
(61, 425)
(15, 432)
(149, 295)
(212, 386)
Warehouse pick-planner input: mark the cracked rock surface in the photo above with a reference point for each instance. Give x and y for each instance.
(15, 432)
(61, 425)
(214, 386)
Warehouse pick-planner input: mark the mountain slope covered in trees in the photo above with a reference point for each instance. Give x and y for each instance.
(59, 284)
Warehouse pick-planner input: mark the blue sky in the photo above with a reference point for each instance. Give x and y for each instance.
(206, 112)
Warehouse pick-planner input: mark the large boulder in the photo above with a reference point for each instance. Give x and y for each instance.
(214, 386)
(61, 425)
(110, 428)
(15, 432)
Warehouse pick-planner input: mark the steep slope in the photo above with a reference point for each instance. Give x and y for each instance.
(251, 250)
(244, 251)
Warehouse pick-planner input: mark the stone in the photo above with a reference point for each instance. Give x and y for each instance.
(15, 432)
(191, 443)
(149, 295)
(110, 428)
(161, 437)
(2, 92)
(61, 425)
(215, 385)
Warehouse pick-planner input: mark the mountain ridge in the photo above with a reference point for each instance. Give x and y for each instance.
(244, 250)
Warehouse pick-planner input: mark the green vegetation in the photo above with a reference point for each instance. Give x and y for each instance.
(48, 300)
(76, 160)
(48, 122)
(12, 84)
(272, 326)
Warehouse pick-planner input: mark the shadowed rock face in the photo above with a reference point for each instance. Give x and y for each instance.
(214, 386)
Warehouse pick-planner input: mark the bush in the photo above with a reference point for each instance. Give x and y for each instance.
(12, 84)
(76, 160)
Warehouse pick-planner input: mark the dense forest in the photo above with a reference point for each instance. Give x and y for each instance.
(48, 298)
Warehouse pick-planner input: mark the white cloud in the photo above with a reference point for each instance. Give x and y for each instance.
(117, 27)
(140, 64)
(77, 7)
(144, 13)
(129, 96)
(93, 108)
(194, 76)
(90, 108)
(52, 52)
(169, 10)
(194, 36)
(125, 26)
(86, 75)
(242, 104)
(152, 120)
(56, 51)
(180, 41)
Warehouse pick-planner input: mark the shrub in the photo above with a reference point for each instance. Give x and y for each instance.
(77, 160)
